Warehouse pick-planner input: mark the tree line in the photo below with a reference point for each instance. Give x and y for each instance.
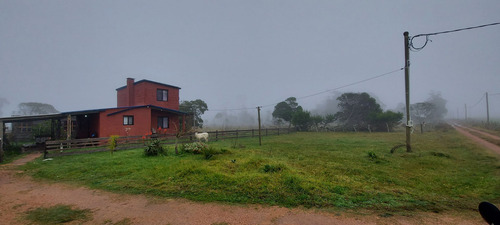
(356, 112)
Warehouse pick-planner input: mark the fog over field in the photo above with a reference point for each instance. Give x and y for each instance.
(238, 55)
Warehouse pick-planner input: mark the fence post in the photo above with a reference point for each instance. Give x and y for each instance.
(252, 132)
(266, 131)
(216, 135)
(278, 131)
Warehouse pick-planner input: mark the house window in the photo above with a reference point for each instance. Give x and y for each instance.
(161, 95)
(163, 122)
(128, 120)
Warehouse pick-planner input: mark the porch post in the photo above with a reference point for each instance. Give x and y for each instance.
(184, 123)
(69, 127)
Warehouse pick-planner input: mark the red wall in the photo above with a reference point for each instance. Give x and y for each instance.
(144, 119)
(173, 121)
(145, 94)
(113, 125)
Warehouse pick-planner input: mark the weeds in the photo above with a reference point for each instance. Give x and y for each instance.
(57, 214)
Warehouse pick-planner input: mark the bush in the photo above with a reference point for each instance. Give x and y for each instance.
(154, 148)
(272, 168)
(209, 152)
(112, 143)
(194, 148)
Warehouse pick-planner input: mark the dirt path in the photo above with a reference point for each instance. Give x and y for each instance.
(466, 131)
(19, 194)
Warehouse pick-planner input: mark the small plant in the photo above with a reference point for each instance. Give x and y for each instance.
(112, 143)
(272, 168)
(57, 214)
(372, 155)
(210, 152)
(154, 148)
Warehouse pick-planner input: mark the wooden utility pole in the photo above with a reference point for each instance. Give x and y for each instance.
(260, 133)
(407, 90)
(487, 111)
(465, 108)
(1, 141)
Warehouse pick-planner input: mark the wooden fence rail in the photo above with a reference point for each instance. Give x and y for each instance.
(90, 145)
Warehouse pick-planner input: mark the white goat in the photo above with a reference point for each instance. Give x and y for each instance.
(200, 136)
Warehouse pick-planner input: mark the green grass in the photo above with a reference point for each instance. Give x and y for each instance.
(58, 214)
(324, 170)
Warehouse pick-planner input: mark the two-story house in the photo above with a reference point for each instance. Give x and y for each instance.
(142, 108)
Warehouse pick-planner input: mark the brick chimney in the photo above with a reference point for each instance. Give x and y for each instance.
(130, 91)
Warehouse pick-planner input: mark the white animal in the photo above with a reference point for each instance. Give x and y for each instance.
(200, 136)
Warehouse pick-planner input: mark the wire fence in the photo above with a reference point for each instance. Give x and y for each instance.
(92, 145)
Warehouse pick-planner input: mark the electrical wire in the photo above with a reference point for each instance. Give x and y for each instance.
(443, 32)
(482, 97)
(318, 93)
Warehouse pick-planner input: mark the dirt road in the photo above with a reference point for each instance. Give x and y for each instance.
(470, 133)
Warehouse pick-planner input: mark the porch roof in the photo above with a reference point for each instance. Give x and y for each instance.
(125, 109)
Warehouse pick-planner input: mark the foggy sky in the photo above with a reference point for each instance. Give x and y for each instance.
(244, 54)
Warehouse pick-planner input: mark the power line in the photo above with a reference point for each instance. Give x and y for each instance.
(318, 93)
(444, 32)
(344, 86)
(482, 97)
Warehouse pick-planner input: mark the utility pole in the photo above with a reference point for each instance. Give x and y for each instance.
(465, 108)
(258, 116)
(407, 91)
(487, 111)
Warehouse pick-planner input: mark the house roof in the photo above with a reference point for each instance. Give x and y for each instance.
(83, 112)
(125, 109)
(144, 80)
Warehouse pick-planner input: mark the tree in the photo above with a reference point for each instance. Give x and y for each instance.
(421, 112)
(283, 111)
(34, 108)
(355, 110)
(432, 110)
(330, 118)
(197, 107)
(301, 119)
(385, 121)
(317, 120)
(440, 110)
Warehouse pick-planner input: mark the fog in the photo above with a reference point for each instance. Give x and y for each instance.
(238, 55)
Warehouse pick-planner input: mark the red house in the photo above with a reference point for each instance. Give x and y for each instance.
(142, 107)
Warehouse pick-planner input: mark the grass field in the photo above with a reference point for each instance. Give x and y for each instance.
(324, 170)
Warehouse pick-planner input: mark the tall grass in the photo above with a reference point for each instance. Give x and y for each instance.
(339, 170)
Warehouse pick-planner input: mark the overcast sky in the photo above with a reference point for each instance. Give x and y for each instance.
(243, 54)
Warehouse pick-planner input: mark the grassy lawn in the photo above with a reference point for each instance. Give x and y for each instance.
(326, 170)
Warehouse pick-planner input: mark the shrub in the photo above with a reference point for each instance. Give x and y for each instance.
(194, 148)
(154, 148)
(112, 143)
(272, 168)
(372, 155)
(209, 152)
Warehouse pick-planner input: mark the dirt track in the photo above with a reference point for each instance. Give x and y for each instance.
(19, 194)
(469, 132)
